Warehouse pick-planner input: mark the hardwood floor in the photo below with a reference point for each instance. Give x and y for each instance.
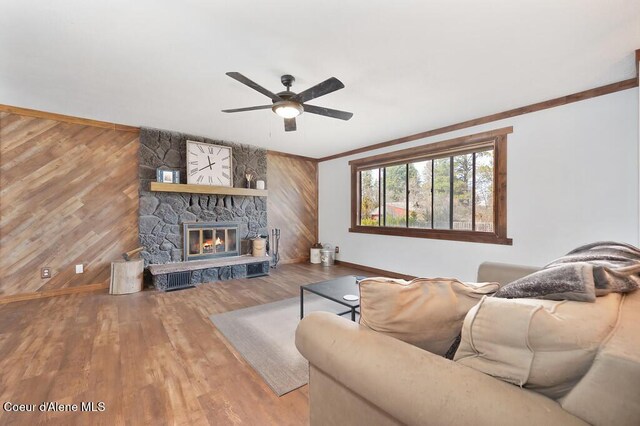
(152, 357)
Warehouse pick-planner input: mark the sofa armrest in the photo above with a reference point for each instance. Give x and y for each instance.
(415, 386)
(503, 273)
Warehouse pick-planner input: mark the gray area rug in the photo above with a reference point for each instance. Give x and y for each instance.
(265, 337)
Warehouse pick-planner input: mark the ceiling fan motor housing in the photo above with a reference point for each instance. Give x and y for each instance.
(285, 95)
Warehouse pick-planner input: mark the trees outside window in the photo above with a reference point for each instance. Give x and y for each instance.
(448, 190)
(370, 199)
(420, 194)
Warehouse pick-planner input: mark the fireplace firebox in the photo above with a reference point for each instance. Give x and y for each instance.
(208, 240)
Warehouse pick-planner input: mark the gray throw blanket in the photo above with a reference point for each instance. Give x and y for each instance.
(583, 274)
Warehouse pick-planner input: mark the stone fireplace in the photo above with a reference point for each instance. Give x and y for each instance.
(162, 215)
(209, 240)
(223, 224)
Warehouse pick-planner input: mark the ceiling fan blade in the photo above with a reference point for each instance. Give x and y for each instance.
(333, 113)
(253, 108)
(289, 124)
(330, 85)
(255, 86)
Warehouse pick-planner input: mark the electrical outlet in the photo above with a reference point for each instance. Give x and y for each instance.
(337, 249)
(79, 268)
(45, 272)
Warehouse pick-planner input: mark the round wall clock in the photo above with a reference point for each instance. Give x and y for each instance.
(208, 164)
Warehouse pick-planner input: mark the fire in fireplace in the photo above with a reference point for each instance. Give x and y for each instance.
(206, 240)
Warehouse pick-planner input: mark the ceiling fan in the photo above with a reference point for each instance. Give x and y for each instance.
(288, 104)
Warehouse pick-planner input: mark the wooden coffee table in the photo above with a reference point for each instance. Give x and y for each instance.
(334, 290)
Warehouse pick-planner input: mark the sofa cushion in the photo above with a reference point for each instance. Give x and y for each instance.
(543, 345)
(425, 312)
(609, 394)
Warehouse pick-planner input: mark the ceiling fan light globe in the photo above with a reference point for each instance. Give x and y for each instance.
(287, 109)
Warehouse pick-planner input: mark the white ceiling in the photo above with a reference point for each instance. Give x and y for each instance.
(408, 66)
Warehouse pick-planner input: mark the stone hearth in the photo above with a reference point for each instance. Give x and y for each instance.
(204, 271)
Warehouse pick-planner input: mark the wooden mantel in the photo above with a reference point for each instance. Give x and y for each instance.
(206, 189)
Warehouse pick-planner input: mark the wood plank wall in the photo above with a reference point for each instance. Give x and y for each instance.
(68, 195)
(292, 204)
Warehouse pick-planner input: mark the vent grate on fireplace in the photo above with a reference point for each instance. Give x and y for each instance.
(259, 269)
(178, 280)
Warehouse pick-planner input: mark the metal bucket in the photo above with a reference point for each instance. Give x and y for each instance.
(327, 257)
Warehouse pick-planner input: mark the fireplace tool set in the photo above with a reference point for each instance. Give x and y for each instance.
(275, 240)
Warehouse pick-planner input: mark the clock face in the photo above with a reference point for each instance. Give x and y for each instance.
(208, 164)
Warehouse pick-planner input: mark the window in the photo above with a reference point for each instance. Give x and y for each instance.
(453, 190)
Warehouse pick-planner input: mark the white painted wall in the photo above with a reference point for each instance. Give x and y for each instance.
(572, 179)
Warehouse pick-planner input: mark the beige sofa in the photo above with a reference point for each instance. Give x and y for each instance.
(360, 377)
